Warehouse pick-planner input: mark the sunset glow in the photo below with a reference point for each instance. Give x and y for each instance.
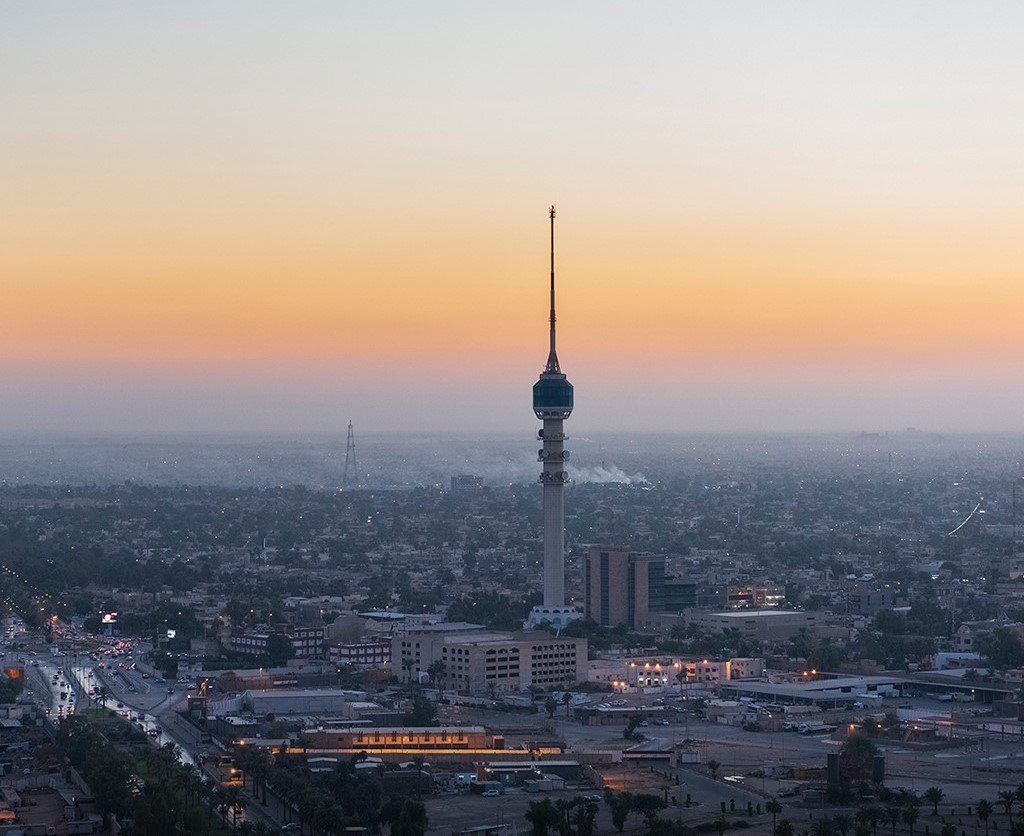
(271, 206)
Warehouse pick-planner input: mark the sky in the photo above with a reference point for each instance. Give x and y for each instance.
(270, 217)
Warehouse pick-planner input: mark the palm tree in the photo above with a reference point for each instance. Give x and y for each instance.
(842, 823)
(620, 804)
(893, 815)
(713, 767)
(233, 801)
(584, 816)
(1007, 799)
(909, 816)
(542, 816)
(933, 795)
(784, 828)
(984, 811)
(564, 807)
(774, 808)
(822, 827)
(872, 815)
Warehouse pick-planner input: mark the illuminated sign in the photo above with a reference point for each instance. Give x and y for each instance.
(109, 618)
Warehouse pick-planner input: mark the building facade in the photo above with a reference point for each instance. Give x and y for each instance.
(368, 653)
(481, 662)
(307, 642)
(622, 586)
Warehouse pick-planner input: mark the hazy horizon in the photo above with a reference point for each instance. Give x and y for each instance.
(243, 216)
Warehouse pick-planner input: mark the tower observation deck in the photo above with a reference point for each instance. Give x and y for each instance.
(552, 404)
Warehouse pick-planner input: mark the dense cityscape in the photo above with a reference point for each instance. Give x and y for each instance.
(810, 637)
(349, 487)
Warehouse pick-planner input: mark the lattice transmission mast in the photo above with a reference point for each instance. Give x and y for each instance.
(350, 478)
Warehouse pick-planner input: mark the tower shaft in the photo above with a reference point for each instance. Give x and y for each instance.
(553, 479)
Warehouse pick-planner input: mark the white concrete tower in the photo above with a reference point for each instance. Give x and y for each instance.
(552, 403)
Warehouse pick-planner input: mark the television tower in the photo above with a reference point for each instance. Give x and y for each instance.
(552, 404)
(350, 478)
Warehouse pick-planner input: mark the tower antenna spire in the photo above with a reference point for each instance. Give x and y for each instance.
(552, 365)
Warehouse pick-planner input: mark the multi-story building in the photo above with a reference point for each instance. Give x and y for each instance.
(754, 596)
(679, 596)
(466, 483)
(415, 647)
(497, 663)
(625, 587)
(622, 586)
(483, 662)
(368, 653)
(869, 599)
(307, 642)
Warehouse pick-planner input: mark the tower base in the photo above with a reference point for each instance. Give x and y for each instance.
(557, 617)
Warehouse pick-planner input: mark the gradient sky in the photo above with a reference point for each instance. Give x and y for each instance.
(245, 216)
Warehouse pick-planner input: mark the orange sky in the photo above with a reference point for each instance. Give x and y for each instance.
(230, 199)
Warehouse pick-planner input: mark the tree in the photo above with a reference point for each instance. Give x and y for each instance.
(909, 816)
(857, 755)
(784, 828)
(279, 649)
(713, 767)
(842, 823)
(892, 813)
(1007, 798)
(933, 795)
(437, 671)
(542, 816)
(773, 807)
(822, 827)
(233, 802)
(566, 699)
(422, 713)
(620, 805)
(647, 805)
(550, 706)
(984, 810)
(584, 816)
(412, 819)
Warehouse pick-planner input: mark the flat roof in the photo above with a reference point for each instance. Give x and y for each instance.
(758, 613)
(815, 688)
(397, 729)
(440, 627)
(304, 693)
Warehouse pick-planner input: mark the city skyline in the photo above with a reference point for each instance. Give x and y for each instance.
(793, 219)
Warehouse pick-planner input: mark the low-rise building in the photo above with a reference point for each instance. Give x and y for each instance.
(766, 625)
(411, 740)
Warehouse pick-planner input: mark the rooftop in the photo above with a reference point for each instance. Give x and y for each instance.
(758, 613)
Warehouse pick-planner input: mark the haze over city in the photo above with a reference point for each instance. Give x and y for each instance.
(242, 218)
(476, 419)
